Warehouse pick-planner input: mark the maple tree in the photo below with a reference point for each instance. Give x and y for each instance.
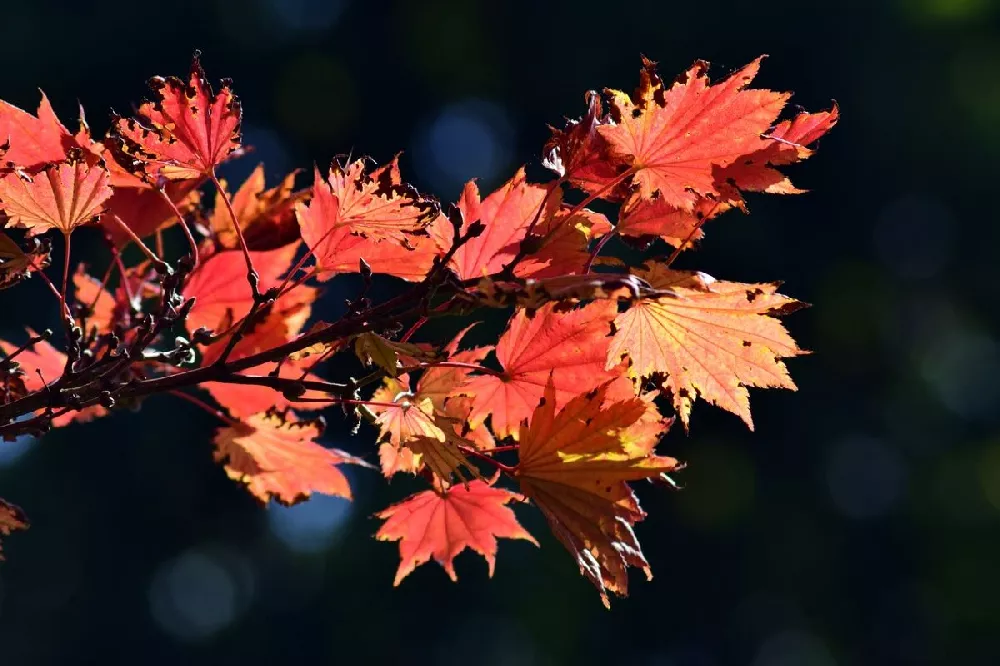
(563, 412)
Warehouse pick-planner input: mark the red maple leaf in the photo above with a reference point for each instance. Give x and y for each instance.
(220, 288)
(184, 133)
(507, 215)
(571, 347)
(443, 523)
(787, 143)
(38, 140)
(675, 138)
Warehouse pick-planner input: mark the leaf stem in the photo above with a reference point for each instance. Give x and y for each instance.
(473, 453)
(252, 277)
(159, 263)
(195, 259)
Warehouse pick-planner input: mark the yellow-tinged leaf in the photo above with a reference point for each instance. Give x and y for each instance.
(62, 196)
(373, 349)
(409, 421)
(710, 338)
(574, 464)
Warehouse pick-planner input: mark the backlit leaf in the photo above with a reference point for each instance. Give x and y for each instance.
(574, 465)
(711, 339)
(277, 457)
(62, 196)
(569, 346)
(184, 133)
(675, 138)
(441, 524)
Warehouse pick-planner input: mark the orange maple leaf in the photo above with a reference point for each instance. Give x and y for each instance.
(277, 457)
(573, 464)
(244, 400)
(435, 425)
(409, 417)
(710, 338)
(675, 138)
(281, 323)
(438, 384)
(267, 217)
(414, 422)
(563, 241)
(185, 133)
(11, 518)
(571, 346)
(443, 523)
(63, 196)
(357, 215)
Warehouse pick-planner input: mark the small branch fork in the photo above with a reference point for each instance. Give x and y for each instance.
(118, 366)
(116, 371)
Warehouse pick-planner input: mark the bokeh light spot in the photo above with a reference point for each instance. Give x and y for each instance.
(311, 526)
(469, 139)
(962, 365)
(199, 593)
(11, 452)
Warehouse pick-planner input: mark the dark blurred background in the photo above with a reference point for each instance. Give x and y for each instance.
(860, 524)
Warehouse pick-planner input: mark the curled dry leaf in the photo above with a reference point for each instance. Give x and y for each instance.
(17, 264)
(574, 465)
(580, 154)
(184, 133)
(11, 518)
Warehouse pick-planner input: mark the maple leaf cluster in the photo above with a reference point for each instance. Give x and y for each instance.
(562, 413)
